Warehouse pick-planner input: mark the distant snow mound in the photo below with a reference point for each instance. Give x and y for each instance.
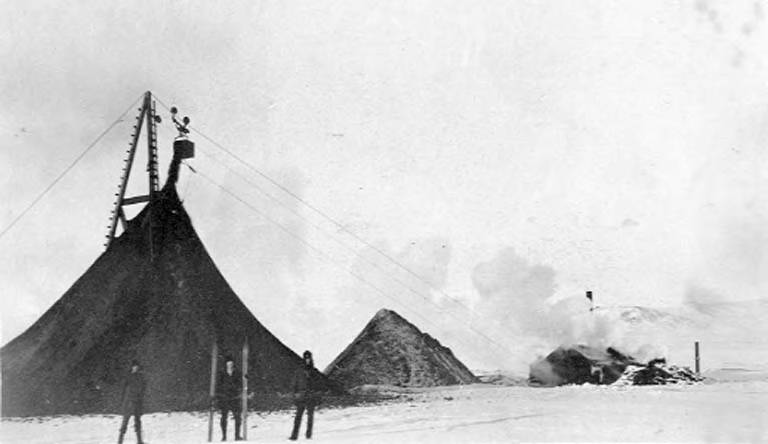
(635, 315)
(504, 379)
(392, 351)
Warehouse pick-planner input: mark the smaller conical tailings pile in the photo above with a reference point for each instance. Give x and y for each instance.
(392, 351)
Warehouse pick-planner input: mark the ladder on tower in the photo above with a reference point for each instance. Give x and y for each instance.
(154, 180)
(146, 112)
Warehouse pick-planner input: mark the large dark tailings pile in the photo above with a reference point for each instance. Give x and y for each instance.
(163, 304)
(392, 351)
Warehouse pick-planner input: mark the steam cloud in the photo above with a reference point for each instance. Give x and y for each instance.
(518, 300)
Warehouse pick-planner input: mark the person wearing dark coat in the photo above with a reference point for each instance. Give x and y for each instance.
(305, 394)
(132, 401)
(228, 390)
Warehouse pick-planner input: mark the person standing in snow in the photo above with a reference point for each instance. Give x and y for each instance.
(228, 391)
(132, 401)
(306, 396)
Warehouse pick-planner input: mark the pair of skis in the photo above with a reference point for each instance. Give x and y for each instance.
(243, 397)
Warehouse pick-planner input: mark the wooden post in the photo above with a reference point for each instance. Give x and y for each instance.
(244, 410)
(212, 392)
(151, 145)
(696, 353)
(151, 166)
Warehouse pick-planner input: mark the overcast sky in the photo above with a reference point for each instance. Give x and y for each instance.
(510, 154)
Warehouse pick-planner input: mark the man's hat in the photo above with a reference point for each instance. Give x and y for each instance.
(229, 358)
(307, 354)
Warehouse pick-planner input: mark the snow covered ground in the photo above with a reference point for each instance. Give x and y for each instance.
(732, 409)
(732, 406)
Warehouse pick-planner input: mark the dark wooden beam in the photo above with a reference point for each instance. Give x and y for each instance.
(135, 200)
(123, 220)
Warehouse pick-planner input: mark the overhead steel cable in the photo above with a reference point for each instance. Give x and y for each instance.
(66, 170)
(345, 246)
(338, 224)
(326, 257)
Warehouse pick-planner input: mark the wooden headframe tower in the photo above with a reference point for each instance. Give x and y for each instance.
(146, 112)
